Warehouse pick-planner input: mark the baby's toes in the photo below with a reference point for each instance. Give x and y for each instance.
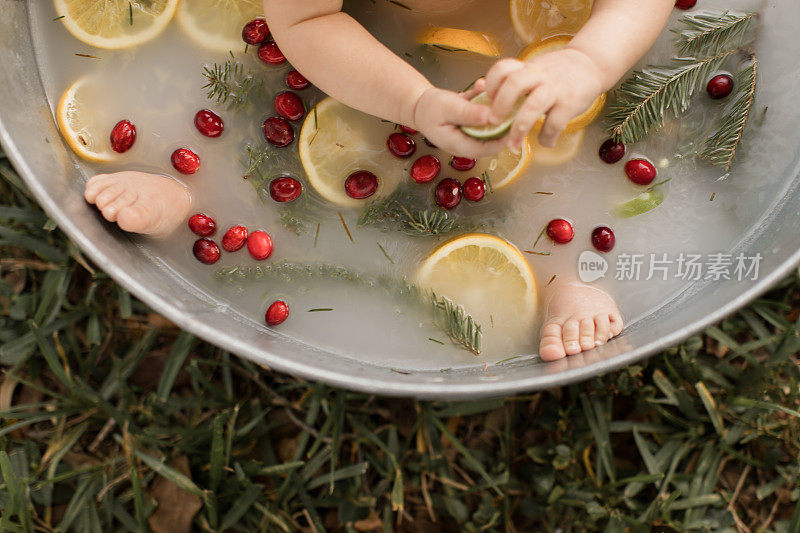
(134, 218)
(570, 333)
(108, 195)
(616, 322)
(111, 210)
(602, 329)
(586, 335)
(551, 347)
(95, 186)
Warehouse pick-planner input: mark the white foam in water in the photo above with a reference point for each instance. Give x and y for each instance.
(158, 87)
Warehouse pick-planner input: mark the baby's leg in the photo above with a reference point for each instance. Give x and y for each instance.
(138, 202)
(578, 318)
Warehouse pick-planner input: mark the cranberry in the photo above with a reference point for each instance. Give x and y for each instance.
(361, 184)
(234, 238)
(202, 225)
(603, 239)
(255, 31)
(296, 81)
(448, 193)
(425, 169)
(209, 123)
(401, 145)
(259, 244)
(289, 106)
(685, 4)
(720, 86)
(277, 312)
(285, 189)
(612, 151)
(123, 135)
(474, 189)
(462, 163)
(270, 54)
(408, 131)
(560, 231)
(206, 251)
(640, 171)
(185, 161)
(278, 132)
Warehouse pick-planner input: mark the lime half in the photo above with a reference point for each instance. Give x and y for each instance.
(490, 132)
(647, 201)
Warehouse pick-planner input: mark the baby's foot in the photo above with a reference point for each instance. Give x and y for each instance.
(579, 317)
(139, 202)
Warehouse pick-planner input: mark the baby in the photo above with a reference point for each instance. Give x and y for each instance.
(344, 60)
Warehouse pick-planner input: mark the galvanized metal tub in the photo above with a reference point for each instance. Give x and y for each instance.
(29, 137)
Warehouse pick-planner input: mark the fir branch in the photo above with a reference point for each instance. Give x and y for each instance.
(229, 84)
(452, 319)
(427, 222)
(255, 158)
(708, 34)
(644, 99)
(413, 222)
(719, 148)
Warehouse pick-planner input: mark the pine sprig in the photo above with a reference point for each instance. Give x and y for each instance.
(229, 84)
(414, 222)
(459, 326)
(647, 96)
(719, 149)
(708, 34)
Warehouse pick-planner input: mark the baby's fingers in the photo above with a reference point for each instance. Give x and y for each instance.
(517, 86)
(454, 141)
(499, 72)
(475, 89)
(535, 106)
(557, 120)
(461, 112)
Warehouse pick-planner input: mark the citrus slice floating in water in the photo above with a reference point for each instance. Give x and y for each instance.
(536, 19)
(337, 141)
(551, 45)
(456, 40)
(486, 275)
(492, 131)
(78, 125)
(115, 24)
(647, 201)
(567, 146)
(505, 167)
(217, 24)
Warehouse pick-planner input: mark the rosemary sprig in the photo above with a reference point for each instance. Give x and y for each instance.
(415, 222)
(708, 34)
(450, 318)
(229, 84)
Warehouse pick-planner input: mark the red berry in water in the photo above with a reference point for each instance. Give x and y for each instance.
(560, 231)
(401, 145)
(612, 151)
(474, 189)
(277, 312)
(603, 239)
(285, 189)
(425, 169)
(278, 132)
(408, 131)
(259, 244)
(296, 81)
(640, 171)
(255, 31)
(289, 106)
(209, 123)
(234, 238)
(448, 193)
(202, 225)
(185, 161)
(270, 54)
(462, 163)
(685, 4)
(123, 135)
(361, 184)
(206, 251)
(720, 86)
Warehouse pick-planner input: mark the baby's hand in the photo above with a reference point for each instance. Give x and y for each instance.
(439, 115)
(561, 85)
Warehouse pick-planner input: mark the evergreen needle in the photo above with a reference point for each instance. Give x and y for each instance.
(229, 84)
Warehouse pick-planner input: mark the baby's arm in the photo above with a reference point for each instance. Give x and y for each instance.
(341, 57)
(563, 84)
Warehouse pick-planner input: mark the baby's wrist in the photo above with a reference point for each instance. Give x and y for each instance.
(592, 66)
(412, 117)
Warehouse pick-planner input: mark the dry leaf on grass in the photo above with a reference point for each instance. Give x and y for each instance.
(176, 507)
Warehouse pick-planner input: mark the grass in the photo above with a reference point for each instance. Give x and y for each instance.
(114, 420)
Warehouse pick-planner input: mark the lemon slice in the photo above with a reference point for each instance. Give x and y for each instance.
(505, 167)
(456, 40)
(486, 275)
(551, 45)
(217, 24)
(336, 141)
(567, 146)
(490, 132)
(536, 19)
(78, 124)
(115, 24)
